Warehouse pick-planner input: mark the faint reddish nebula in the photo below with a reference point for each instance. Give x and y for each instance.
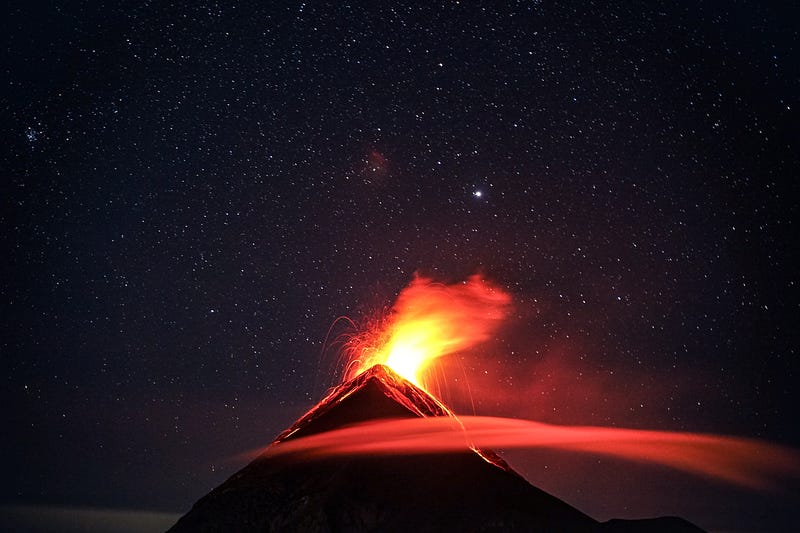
(376, 167)
(747, 462)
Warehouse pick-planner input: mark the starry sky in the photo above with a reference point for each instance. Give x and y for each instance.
(193, 192)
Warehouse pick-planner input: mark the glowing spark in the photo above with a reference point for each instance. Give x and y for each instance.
(430, 320)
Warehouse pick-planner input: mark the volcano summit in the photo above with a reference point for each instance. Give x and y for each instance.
(470, 490)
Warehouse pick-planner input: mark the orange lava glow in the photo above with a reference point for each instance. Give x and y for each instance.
(430, 320)
(747, 462)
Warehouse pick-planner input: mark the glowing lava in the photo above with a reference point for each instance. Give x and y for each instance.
(430, 320)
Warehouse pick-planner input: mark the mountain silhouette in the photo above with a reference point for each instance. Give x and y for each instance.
(473, 490)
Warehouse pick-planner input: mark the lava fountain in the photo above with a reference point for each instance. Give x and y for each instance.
(429, 320)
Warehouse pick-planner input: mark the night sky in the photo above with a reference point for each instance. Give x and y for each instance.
(193, 192)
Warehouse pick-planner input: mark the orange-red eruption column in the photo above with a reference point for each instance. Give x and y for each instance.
(430, 320)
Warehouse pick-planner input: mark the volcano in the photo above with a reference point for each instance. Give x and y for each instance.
(473, 490)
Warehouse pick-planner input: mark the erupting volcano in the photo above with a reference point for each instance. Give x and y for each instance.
(429, 320)
(466, 490)
(380, 453)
